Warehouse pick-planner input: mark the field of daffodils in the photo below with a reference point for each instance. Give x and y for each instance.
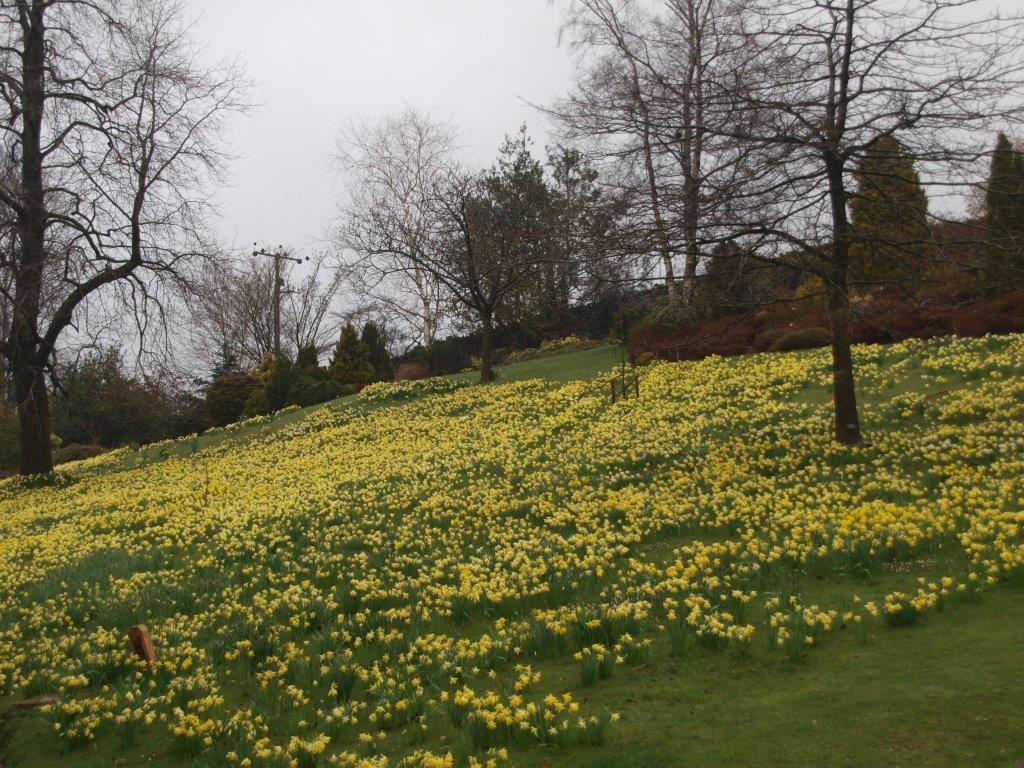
(378, 584)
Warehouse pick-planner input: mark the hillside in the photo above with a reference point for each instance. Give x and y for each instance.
(439, 574)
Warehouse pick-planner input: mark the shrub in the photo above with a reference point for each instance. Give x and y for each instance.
(811, 292)
(279, 382)
(409, 371)
(801, 338)
(308, 390)
(257, 404)
(447, 356)
(227, 395)
(77, 452)
(102, 401)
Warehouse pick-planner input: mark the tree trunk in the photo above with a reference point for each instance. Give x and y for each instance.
(24, 347)
(692, 259)
(34, 420)
(652, 185)
(843, 394)
(486, 348)
(838, 310)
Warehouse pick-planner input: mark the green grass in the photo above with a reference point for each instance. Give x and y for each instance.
(947, 692)
(560, 368)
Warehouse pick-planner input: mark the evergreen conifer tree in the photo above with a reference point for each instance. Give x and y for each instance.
(308, 358)
(227, 362)
(892, 239)
(1003, 265)
(379, 357)
(351, 361)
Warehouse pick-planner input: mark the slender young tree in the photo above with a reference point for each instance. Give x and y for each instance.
(612, 108)
(393, 169)
(645, 90)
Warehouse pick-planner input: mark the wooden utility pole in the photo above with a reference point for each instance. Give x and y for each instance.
(278, 256)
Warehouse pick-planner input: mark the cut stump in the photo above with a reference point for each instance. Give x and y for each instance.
(142, 642)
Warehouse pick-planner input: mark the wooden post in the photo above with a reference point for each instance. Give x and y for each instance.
(613, 391)
(142, 643)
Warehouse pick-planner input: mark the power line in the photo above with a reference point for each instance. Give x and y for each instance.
(278, 256)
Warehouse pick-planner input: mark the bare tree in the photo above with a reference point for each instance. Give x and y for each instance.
(610, 107)
(230, 309)
(113, 124)
(393, 169)
(691, 46)
(822, 82)
(480, 252)
(310, 313)
(643, 104)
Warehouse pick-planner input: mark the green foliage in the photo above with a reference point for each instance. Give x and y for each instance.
(380, 358)
(76, 452)
(892, 239)
(100, 402)
(351, 361)
(282, 374)
(266, 365)
(1004, 214)
(735, 281)
(308, 358)
(446, 356)
(227, 362)
(309, 390)
(257, 404)
(227, 395)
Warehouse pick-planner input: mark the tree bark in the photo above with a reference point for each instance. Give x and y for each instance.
(28, 356)
(843, 393)
(652, 183)
(847, 420)
(34, 420)
(486, 348)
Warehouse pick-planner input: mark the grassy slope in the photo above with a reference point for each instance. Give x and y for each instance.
(946, 693)
(570, 366)
(949, 692)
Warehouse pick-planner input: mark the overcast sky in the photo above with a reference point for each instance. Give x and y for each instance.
(319, 63)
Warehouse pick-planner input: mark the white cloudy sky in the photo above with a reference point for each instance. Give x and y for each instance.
(318, 63)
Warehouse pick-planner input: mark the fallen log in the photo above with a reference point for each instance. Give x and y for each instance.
(34, 703)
